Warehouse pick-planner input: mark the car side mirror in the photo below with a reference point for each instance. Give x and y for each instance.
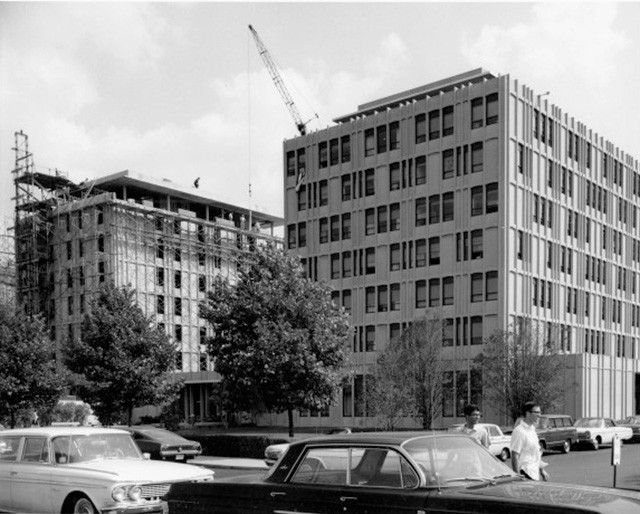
(146, 455)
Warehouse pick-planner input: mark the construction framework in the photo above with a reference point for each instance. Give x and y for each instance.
(166, 242)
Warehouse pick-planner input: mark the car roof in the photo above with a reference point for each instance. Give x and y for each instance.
(392, 438)
(58, 431)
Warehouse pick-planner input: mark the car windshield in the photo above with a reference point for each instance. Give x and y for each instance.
(81, 448)
(587, 423)
(449, 460)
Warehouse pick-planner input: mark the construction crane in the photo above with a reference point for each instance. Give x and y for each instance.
(277, 80)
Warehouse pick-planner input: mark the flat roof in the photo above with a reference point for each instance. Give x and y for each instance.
(418, 93)
(191, 194)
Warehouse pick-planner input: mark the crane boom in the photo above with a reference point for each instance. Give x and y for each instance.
(277, 80)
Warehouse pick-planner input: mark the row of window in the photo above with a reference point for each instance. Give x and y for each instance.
(435, 292)
(334, 152)
(76, 275)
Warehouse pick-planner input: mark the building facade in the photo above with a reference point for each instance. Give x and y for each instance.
(166, 241)
(477, 197)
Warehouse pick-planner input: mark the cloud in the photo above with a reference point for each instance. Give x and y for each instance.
(391, 55)
(564, 38)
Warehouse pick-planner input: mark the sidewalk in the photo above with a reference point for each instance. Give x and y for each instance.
(230, 463)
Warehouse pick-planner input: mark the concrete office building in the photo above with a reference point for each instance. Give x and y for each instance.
(165, 240)
(477, 196)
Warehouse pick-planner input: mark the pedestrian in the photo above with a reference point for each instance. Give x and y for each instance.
(526, 455)
(470, 427)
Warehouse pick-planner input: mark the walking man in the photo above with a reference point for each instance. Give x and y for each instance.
(526, 456)
(472, 415)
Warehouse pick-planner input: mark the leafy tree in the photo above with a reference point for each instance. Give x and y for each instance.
(30, 380)
(278, 338)
(121, 361)
(520, 366)
(409, 374)
(71, 412)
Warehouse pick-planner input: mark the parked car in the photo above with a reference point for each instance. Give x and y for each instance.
(598, 431)
(556, 432)
(500, 443)
(84, 470)
(633, 422)
(162, 444)
(274, 451)
(393, 473)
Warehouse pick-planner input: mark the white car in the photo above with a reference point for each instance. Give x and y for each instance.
(598, 431)
(499, 443)
(84, 470)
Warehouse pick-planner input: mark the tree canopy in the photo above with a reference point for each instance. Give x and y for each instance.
(122, 360)
(519, 366)
(409, 375)
(279, 341)
(30, 380)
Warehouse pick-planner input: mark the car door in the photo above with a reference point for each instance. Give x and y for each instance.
(392, 488)
(317, 485)
(31, 477)
(9, 451)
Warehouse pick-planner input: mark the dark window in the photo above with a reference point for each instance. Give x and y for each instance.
(394, 297)
(477, 113)
(369, 142)
(477, 157)
(421, 253)
(334, 152)
(346, 264)
(335, 228)
(447, 164)
(434, 209)
(370, 221)
(370, 261)
(394, 217)
(291, 163)
(291, 236)
(346, 187)
(302, 198)
(421, 170)
(421, 128)
(434, 292)
(434, 251)
(421, 294)
(492, 198)
(370, 299)
(335, 265)
(346, 225)
(421, 212)
(383, 299)
(302, 234)
(394, 176)
(477, 207)
(324, 192)
(447, 291)
(447, 121)
(394, 257)
(177, 279)
(434, 125)
(323, 230)
(394, 135)
(177, 306)
(345, 142)
(492, 109)
(447, 207)
(476, 244)
(382, 219)
(492, 286)
(381, 137)
(476, 287)
(370, 182)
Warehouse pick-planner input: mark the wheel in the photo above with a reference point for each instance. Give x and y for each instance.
(83, 505)
(504, 455)
(566, 446)
(596, 444)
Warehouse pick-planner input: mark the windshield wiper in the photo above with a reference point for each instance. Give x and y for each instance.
(484, 480)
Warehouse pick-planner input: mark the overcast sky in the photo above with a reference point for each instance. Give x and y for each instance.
(178, 91)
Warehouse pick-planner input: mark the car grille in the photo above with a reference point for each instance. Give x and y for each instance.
(583, 437)
(154, 490)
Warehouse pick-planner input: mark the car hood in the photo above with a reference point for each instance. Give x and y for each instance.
(145, 470)
(606, 501)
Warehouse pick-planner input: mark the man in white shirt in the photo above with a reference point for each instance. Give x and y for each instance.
(472, 415)
(526, 456)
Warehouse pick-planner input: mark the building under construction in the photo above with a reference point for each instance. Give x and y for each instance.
(166, 241)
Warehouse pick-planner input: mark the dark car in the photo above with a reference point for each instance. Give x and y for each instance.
(162, 444)
(393, 473)
(633, 422)
(556, 432)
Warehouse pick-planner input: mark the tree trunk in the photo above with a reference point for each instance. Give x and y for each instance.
(290, 415)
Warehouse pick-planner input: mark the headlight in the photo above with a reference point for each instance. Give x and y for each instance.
(135, 493)
(119, 493)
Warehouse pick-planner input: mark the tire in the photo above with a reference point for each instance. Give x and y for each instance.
(596, 444)
(83, 505)
(504, 455)
(566, 446)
